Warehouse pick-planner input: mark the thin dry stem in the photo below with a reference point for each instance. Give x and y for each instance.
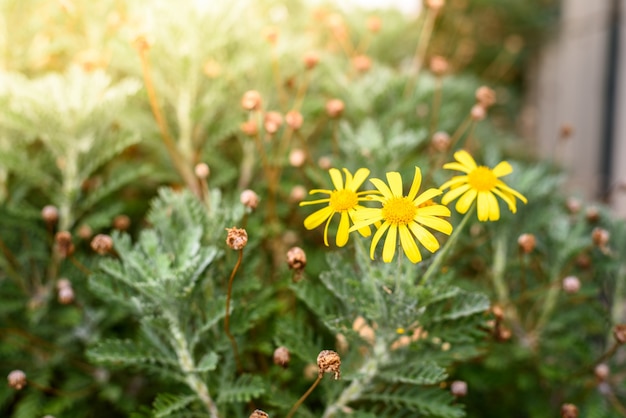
(295, 406)
(227, 317)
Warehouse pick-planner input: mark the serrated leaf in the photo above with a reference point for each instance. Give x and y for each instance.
(245, 388)
(166, 404)
(208, 362)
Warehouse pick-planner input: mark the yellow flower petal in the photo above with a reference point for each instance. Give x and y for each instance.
(379, 233)
(465, 201)
(466, 159)
(364, 231)
(395, 183)
(318, 217)
(502, 169)
(389, 249)
(359, 177)
(425, 237)
(457, 167)
(382, 187)
(415, 186)
(426, 196)
(434, 210)
(326, 231)
(483, 206)
(408, 245)
(508, 198)
(335, 176)
(314, 191)
(435, 223)
(342, 231)
(314, 202)
(454, 181)
(454, 193)
(515, 193)
(494, 207)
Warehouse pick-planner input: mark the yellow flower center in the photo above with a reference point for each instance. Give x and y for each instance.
(399, 211)
(341, 200)
(482, 179)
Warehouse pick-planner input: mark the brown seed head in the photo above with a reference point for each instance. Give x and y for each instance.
(458, 388)
(526, 243)
(374, 24)
(84, 232)
(440, 141)
(202, 171)
(311, 59)
(439, 65)
(478, 112)
(249, 199)
(362, 63)
(50, 214)
(251, 100)
(121, 222)
(17, 379)
(102, 244)
(281, 357)
(249, 127)
(237, 238)
(64, 245)
(571, 284)
(259, 414)
(272, 121)
(328, 361)
(65, 295)
(592, 214)
(334, 108)
(619, 333)
(485, 96)
(602, 372)
(600, 237)
(297, 157)
(296, 258)
(294, 119)
(569, 410)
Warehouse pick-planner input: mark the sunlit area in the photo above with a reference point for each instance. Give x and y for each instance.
(305, 209)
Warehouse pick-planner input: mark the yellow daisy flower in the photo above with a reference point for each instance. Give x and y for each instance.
(404, 215)
(343, 200)
(482, 184)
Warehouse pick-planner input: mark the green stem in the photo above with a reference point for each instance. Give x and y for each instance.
(434, 267)
(550, 301)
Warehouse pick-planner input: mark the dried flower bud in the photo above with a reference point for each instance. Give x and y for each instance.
(566, 131)
(249, 199)
(328, 361)
(259, 414)
(440, 141)
(602, 372)
(294, 119)
(64, 245)
(281, 357)
(297, 157)
(297, 194)
(362, 63)
(619, 333)
(334, 108)
(202, 171)
(296, 258)
(485, 96)
(374, 24)
(273, 121)
(592, 214)
(341, 342)
(503, 333)
(249, 127)
(102, 244)
(237, 238)
(50, 214)
(310, 60)
(17, 379)
(325, 163)
(497, 311)
(435, 5)
(526, 243)
(600, 237)
(65, 295)
(478, 112)
(569, 410)
(121, 222)
(571, 284)
(439, 65)
(84, 232)
(458, 388)
(251, 100)
(573, 205)
(63, 283)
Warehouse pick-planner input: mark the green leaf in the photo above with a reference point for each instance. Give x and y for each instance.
(166, 404)
(126, 353)
(208, 362)
(245, 388)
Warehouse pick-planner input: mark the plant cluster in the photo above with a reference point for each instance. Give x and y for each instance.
(165, 252)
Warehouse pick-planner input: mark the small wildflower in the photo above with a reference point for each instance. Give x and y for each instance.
(569, 410)
(481, 184)
(571, 284)
(458, 388)
(404, 217)
(478, 112)
(121, 222)
(202, 171)
(441, 141)
(328, 361)
(237, 238)
(249, 199)
(439, 65)
(485, 96)
(251, 100)
(281, 356)
(64, 245)
(294, 119)
(102, 244)
(297, 157)
(334, 108)
(272, 122)
(17, 379)
(50, 214)
(296, 258)
(526, 243)
(343, 200)
(259, 414)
